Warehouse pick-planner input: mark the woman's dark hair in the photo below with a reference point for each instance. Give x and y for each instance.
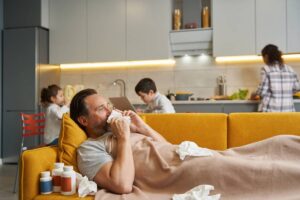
(78, 107)
(47, 93)
(145, 85)
(273, 53)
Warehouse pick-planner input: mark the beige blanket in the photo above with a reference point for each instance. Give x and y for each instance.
(269, 169)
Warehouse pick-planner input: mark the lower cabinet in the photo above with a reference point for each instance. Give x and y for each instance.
(216, 107)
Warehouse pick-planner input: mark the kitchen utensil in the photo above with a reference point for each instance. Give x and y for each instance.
(183, 97)
(222, 88)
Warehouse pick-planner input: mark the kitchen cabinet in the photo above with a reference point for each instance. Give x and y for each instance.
(234, 27)
(148, 26)
(244, 27)
(102, 31)
(106, 30)
(29, 13)
(293, 26)
(226, 106)
(270, 24)
(25, 53)
(68, 31)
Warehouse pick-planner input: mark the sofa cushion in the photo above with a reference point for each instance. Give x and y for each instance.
(245, 128)
(206, 129)
(71, 136)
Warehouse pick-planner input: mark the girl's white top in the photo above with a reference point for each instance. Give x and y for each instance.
(53, 116)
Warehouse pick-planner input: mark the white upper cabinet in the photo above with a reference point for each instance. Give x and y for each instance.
(109, 30)
(244, 27)
(106, 30)
(148, 26)
(293, 26)
(234, 27)
(271, 24)
(68, 35)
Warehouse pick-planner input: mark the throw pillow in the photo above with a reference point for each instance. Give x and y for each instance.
(70, 138)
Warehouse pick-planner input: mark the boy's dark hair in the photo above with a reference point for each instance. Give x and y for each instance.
(78, 107)
(48, 92)
(273, 53)
(145, 85)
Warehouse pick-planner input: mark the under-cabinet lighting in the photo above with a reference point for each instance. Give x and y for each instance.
(238, 59)
(125, 64)
(253, 58)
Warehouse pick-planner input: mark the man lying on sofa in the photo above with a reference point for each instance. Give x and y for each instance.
(145, 166)
(90, 111)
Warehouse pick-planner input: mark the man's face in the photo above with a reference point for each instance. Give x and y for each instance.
(147, 97)
(99, 110)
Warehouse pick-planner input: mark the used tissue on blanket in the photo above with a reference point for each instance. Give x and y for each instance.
(85, 187)
(188, 148)
(116, 114)
(200, 192)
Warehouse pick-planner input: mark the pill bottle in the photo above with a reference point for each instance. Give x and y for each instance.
(68, 181)
(45, 183)
(56, 176)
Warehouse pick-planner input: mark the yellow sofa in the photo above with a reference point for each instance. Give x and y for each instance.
(211, 130)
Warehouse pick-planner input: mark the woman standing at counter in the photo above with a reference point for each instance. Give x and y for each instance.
(278, 83)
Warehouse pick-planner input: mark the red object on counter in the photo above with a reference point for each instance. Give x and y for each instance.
(190, 25)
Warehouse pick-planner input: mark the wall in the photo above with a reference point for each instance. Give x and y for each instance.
(195, 74)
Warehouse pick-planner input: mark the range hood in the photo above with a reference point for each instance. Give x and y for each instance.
(191, 42)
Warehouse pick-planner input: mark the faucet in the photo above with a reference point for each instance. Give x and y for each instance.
(122, 84)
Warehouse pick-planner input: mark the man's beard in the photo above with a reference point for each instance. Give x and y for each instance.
(102, 130)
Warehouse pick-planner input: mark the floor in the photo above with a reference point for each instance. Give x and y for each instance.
(7, 178)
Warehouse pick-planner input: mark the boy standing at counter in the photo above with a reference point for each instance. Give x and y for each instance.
(155, 101)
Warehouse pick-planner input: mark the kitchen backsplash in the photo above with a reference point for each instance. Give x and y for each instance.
(194, 74)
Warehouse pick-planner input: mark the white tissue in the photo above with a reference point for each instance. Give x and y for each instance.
(85, 187)
(188, 148)
(200, 192)
(116, 114)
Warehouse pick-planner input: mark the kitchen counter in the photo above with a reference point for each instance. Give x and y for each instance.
(217, 106)
(215, 102)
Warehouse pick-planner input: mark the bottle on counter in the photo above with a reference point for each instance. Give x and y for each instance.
(68, 181)
(205, 17)
(177, 19)
(222, 88)
(56, 176)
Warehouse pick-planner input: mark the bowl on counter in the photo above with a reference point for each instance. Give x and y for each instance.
(182, 96)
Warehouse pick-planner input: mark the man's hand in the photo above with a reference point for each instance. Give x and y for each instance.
(137, 124)
(120, 128)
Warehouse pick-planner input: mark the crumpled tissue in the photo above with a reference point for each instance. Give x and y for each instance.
(200, 192)
(188, 148)
(85, 187)
(116, 114)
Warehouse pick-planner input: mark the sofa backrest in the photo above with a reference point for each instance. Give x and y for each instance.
(206, 129)
(245, 128)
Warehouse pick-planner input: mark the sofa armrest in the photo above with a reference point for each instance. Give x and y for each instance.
(32, 162)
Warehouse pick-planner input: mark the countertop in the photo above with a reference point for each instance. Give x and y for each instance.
(216, 102)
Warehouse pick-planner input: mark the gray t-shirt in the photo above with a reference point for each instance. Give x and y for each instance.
(92, 155)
